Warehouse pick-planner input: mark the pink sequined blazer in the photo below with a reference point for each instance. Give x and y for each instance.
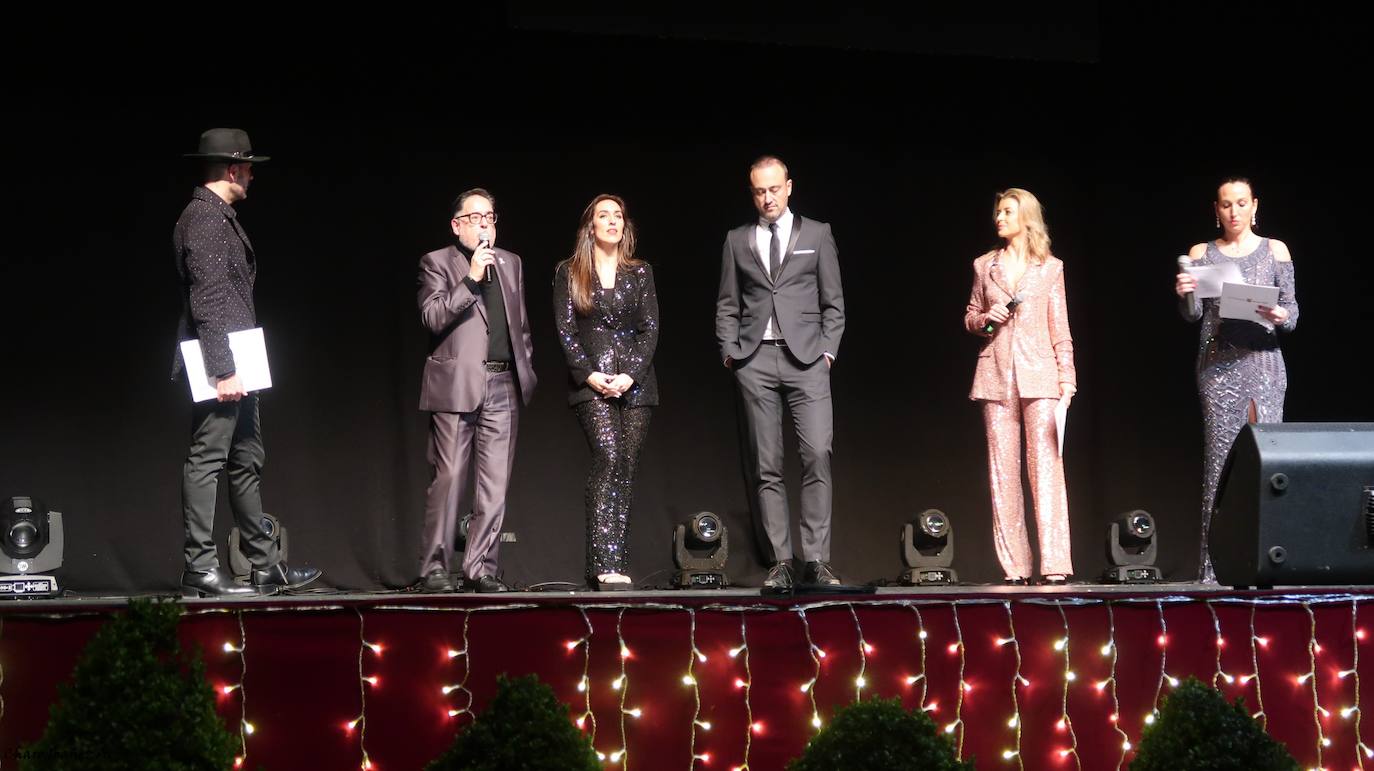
(1033, 349)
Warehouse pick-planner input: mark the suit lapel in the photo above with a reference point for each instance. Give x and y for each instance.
(505, 270)
(749, 238)
(791, 243)
(995, 274)
(247, 245)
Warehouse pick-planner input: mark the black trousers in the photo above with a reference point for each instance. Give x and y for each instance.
(224, 436)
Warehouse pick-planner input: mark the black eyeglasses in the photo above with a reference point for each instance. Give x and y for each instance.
(477, 218)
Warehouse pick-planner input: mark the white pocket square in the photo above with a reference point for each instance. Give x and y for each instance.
(805, 251)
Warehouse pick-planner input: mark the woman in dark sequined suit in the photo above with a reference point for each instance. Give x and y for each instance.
(606, 310)
(1240, 372)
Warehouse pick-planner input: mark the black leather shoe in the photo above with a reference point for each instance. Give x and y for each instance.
(215, 582)
(821, 574)
(1054, 580)
(280, 578)
(486, 585)
(1016, 581)
(438, 580)
(779, 577)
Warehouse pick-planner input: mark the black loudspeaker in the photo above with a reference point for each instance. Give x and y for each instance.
(1295, 505)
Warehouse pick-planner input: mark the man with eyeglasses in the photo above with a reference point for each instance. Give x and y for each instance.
(779, 318)
(477, 376)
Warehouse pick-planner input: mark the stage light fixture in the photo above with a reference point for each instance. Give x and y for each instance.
(30, 545)
(928, 550)
(1132, 547)
(700, 548)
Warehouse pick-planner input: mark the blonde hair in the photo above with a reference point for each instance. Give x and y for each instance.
(582, 264)
(1032, 221)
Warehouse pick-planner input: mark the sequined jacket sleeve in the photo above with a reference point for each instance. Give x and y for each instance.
(646, 325)
(1060, 338)
(217, 273)
(569, 336)
(975, 317)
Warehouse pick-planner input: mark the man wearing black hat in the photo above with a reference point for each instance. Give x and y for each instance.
(215, 261)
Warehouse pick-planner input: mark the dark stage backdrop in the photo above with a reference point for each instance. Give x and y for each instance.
(902, 152)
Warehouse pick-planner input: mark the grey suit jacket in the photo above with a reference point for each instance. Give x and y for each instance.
(454, 379)
(807, 295)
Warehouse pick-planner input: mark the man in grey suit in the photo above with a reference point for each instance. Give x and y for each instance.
(477, 375)
(779, 318)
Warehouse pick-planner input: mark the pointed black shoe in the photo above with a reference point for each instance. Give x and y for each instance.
(779, 578)
(486, 585)
(280, 578)
(821, 574)
(438, 580)
(215, 582)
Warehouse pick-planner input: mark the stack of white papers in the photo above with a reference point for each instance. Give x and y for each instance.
(250, 364)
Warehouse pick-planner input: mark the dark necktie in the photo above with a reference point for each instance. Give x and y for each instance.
(774, 252)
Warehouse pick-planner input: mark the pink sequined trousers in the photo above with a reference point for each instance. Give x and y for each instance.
(1004, 421)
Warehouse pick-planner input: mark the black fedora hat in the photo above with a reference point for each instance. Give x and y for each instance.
(227, 144)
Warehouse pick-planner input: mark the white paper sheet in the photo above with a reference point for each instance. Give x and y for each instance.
(250, 364)
(1210, 278)
(1061, 416)
(1242, 301)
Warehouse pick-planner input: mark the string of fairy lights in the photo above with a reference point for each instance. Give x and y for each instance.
(1110, 650)
(704, 752)
(239, 649)
(745, 684)
(920, 677)
(1065, 722)
(809, 687)
(957, 647)
(1017, 680)
(460, 655)
(1362, 751)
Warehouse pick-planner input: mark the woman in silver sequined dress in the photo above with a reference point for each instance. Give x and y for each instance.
(1240, 372)
(606, 309)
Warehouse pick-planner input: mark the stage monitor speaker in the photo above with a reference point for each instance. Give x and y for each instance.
(1295, 506)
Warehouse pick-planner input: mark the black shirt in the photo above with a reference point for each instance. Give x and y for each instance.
(498, 328)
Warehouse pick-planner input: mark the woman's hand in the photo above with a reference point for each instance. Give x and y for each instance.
(998, 314)
(621, 383)
(1067, 390)
(601, 383)
(1184, 283)
(1274, 313)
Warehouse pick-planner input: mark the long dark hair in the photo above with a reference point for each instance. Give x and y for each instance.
(582, 264)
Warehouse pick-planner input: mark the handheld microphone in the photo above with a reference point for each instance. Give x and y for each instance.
(1183, 264)
(1011, 308)
(485, 243)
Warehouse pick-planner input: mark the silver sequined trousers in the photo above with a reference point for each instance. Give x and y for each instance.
(615, 433)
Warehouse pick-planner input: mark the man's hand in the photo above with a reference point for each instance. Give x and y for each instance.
(481, 258)
(229, 389)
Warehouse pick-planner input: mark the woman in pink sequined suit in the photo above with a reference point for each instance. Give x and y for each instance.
(1024, 369)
